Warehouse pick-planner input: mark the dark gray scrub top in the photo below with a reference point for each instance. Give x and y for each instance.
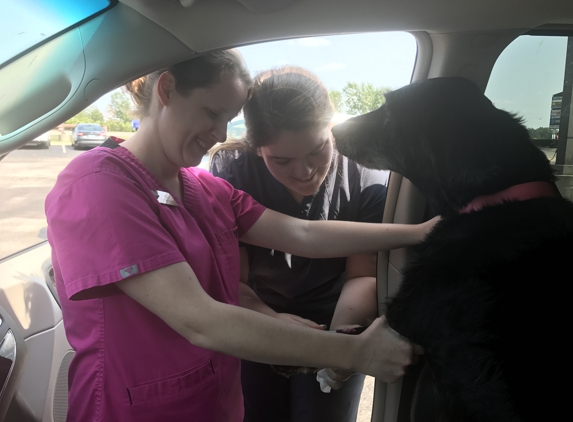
(306, 287)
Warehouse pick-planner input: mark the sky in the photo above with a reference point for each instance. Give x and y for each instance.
(336, 60)
(526, 76)
(524, 79)
(383, 59)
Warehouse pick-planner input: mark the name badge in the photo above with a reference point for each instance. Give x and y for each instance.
(164, 198)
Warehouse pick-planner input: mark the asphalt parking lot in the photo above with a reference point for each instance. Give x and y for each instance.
(26, 177)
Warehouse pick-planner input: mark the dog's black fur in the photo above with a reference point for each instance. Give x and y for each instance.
(487, 294)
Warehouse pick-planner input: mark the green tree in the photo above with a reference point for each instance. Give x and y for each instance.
(121, 107)
(121, 112)
(542, 137)
(540, 133)
(363, 98)
(337, 100)
(81, 117)
(95, 115)
(117, 126)
(88, 115)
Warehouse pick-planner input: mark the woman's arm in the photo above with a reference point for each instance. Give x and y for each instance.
(357, 304)
(330, 239)
(175, 295)
(250, 300)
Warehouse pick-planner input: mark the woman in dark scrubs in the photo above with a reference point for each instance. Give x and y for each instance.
(288, 163)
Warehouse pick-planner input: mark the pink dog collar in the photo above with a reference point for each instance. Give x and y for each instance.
(521, 192)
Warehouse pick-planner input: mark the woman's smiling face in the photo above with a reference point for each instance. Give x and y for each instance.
(299, 160)
(192, 124)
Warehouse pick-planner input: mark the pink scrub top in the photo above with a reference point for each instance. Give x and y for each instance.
(105, 223)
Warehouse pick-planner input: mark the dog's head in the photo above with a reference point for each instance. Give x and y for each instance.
(447, 138)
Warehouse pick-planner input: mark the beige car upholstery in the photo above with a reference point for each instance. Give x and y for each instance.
(404, 204)
(38, 382)
(12, 358)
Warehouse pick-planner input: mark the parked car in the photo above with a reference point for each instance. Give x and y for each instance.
(517, 51)
(88, 135)
(41, 141)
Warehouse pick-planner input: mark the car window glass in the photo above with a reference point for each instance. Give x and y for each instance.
(529, 79)
(25, 23)
(236, 127)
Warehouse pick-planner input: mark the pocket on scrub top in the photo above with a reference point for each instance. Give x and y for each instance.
(167, 390)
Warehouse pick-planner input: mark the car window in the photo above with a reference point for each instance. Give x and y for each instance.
(236, 128)
(26, 23)
(531, 80)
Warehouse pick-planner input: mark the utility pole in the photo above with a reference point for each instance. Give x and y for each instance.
(565, 148)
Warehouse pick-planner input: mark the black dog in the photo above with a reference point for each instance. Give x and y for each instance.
(487, 295)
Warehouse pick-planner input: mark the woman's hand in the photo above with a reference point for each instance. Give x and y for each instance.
(384, 354)
(426, 227)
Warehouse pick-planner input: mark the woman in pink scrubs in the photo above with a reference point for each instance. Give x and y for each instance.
(146, 258)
